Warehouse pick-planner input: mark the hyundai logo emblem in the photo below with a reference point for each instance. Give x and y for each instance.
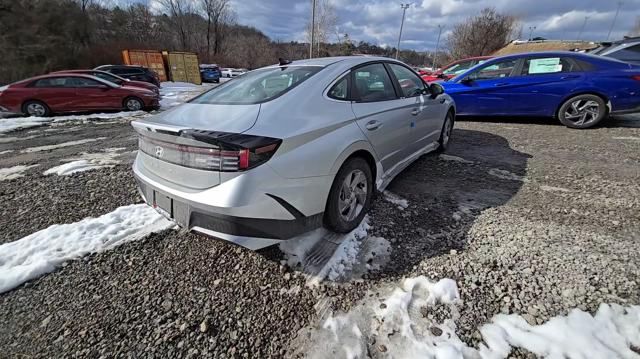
(159, 151)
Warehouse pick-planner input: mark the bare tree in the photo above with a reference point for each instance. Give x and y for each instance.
(178, 12)
(325, 24)
(217, 13)
(482, 34)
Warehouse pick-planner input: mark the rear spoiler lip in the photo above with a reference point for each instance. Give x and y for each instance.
(156, 127)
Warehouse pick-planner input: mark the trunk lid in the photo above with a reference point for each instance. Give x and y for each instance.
(172, 149)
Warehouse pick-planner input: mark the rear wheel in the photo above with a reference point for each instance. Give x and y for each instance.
(133, 104)
(35, 108)
(446, 132)
(350, 196)
(582, 111)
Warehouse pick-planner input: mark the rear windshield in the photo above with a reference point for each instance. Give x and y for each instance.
(257, 86)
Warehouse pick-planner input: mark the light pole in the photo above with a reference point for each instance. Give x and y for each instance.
(404, 10)
(615, 17)
(586, 18)
(313, 27)
(531, 28)
(433, 66)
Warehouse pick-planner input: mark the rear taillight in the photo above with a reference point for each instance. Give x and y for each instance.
(636, 77)
(228, 152)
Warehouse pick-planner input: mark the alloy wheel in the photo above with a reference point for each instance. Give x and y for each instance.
(36, 109)
(353, 195)
(133, 104)
(582, 112)
(446, 134)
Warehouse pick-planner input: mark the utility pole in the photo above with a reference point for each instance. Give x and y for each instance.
(615, 17)
(433, 66)
(404, 10)
(586, 18)
(313, 27)
(531, 28)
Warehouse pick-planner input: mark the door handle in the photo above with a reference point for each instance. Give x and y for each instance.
(373, 125)
(501, 84)
(569, 77)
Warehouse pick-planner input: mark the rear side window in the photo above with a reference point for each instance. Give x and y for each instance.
(340, 91)
(547, 65)
(258, 86)
(410, 83)
(372, 83)
(80, 82)
(50, 82)
(494, 71)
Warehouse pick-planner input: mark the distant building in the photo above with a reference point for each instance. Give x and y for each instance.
(520, 46)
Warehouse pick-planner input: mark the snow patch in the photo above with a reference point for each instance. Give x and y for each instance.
(21, 123)
(398, 324)
(627, 138)
(14, 172)
(61, 145)
(323, 254)
(395, 199)
(15, 139)
(454, 159)
(86, 162)
(43, 251)
(553, 189)
(5, 152)
(506, 175)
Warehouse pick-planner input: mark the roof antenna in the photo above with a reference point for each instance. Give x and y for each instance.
(283, 61)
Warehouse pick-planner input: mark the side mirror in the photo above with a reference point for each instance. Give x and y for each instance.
(467, 80)
(436, 89)
(441, 76)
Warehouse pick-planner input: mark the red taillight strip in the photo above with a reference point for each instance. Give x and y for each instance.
(636, 77)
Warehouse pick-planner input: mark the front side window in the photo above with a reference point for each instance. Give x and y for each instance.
(547, 65)
(81, 82)
(410, 83)
(372, 83)
(494, 71)
(258, 86)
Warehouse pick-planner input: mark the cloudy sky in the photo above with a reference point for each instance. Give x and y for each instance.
(378, 21)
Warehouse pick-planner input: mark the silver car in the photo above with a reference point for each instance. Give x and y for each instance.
(289, 148)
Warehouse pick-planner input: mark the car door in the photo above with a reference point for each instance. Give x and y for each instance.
(54, 92)
(487, 90)
(94, 95)
(380, 113)
(543, 83)
(426, 114)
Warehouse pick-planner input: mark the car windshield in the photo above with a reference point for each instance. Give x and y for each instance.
(258, 86)
(457, 68)
(111, 78)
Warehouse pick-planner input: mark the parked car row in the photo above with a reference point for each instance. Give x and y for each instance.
(109, 87)
(230, 72)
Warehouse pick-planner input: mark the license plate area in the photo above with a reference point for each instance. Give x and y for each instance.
(163, 204)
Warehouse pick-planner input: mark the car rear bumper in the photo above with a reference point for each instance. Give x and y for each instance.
(255, 218)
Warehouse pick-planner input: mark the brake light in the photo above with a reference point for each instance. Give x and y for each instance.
(236, 153)
(636, 77)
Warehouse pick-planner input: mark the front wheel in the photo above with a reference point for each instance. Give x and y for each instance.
(350, 196)
(446, 132)
(133, 104)
(582, 111)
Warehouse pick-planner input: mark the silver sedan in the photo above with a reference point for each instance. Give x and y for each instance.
(288, 148)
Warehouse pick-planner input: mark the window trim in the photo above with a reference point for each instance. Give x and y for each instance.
(347, 75)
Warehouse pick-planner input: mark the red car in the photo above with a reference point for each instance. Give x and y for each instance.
(454, 68)
(59, 93)
(113, 78)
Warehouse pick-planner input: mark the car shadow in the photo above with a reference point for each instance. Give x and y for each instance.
(426, 211)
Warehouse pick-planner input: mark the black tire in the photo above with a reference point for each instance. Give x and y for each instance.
(446, 132)
(36, 108)
(583, 111)
(333, 218)
(128, 104)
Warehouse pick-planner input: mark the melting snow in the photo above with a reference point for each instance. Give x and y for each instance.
(12, 124)
(395, 199)
(323, 254)
(5, 152)
(41, 252)
(14, 139)
(61, 145)
(13, 172)
(398, 324)
(496, 172)
(87, 162)
(553, 189)
(627, 138)
(454, 159)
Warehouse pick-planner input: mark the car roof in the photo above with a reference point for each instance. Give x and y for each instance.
(346, 61)
(123, 66)
(80, 72)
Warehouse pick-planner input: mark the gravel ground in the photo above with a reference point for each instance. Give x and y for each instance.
(529, 217)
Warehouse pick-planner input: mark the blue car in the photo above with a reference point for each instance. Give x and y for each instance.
(210, 73)
(578, 89)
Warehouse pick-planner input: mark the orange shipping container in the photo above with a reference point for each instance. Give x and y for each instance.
(183, 67)
(148, 58)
